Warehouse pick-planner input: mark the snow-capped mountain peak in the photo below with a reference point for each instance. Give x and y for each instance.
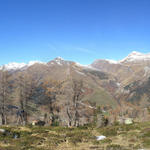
(59, 61)
(18, 66)
(136, 57)
(133, 53)
(58, 58)
(13, 66)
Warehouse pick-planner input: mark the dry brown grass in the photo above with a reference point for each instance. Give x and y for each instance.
(119, 137)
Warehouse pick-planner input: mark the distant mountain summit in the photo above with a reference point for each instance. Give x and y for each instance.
(59, 61)
(136, 57)
(135, 66)
(20, 66)
(133, 57)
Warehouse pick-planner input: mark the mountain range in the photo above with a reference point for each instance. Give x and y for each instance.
(134, 57)
(119, 87)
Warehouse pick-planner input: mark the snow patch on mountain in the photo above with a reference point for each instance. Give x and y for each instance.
(81, 73)
(35, 62)
(132, 57)
(19, 66)
(106, 61)
(80, 65)
(135, 57)
(112, 61)
(87, 67)
(13, 66)
(59, 61)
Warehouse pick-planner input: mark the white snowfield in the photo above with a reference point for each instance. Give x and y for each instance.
(17, 66)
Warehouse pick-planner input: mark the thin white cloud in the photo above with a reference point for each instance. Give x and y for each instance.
(66, 47)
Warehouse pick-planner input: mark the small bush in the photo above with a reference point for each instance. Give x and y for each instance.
(106, 141)
(55, 123)
(114, 147)
(146, 142)
(146, 132)
(109, 131)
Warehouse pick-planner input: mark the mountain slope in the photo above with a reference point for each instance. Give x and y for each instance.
(121, 85)
(134, 67)
(98, 88)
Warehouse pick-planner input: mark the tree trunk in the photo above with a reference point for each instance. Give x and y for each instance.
(3, 119)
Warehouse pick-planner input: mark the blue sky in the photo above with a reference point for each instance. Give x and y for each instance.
(78, 30)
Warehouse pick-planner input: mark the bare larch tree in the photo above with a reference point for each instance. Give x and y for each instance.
(52, 89)
(4, 94)
(26, 87)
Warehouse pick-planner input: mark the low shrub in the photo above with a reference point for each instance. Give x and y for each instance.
(146, 142)
(111, 131)
(114, 147)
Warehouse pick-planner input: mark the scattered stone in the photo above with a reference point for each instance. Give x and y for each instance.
(2, 130)
(99, 138)
(128, 121)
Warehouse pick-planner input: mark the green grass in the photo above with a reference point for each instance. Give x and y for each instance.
(118, 137)
(101, 97)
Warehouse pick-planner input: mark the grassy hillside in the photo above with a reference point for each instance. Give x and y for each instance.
(102, 97)
(118, 137)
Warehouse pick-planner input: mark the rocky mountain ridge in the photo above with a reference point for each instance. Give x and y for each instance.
(134, 57)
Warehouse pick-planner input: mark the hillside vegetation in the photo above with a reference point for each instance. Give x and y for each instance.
(118, 137)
